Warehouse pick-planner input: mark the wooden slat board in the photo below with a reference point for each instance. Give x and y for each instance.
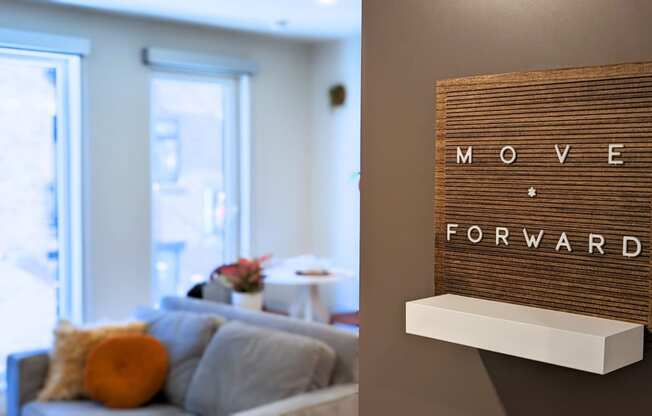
(584, 108)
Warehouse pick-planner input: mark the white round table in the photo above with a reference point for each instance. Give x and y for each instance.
(307, 305)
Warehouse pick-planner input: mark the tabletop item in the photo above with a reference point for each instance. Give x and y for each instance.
(246, 279)
(313, 272)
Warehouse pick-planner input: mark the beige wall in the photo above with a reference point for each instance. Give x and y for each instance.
(117, 148)
(407, 46)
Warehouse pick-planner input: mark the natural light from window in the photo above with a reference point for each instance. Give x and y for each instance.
(28, 207)
(194, 180)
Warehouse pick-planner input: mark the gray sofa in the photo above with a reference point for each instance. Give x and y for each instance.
(26, 373)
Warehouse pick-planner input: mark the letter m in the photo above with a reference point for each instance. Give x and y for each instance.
(466, 157)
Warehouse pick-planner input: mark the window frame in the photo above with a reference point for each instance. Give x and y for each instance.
(236, 169)
(69, 174)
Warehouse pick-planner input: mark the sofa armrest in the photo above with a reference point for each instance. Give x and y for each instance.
(26, 373)
(340, 400)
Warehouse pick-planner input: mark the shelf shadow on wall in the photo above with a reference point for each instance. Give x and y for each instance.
(531, 388)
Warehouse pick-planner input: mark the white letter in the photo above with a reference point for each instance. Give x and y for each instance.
(466, 157)
(562, 156)
(471, 239)
(531, 240)
(502, 155)
(450, 231)
(501, 234)
(593, 244)
(626, 240)
(613, 153)
(563, 241)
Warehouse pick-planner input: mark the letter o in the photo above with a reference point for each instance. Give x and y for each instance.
(502, 155)
(470, 231)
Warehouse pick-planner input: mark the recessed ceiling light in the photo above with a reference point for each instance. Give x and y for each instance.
(327, 2)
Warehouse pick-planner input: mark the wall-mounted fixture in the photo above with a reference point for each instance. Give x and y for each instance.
(581, 342)
(337, 95)
(543, 216)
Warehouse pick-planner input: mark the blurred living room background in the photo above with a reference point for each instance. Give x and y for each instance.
(145, 143)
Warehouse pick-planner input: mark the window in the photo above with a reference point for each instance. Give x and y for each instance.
(40, 208)
(196, 180)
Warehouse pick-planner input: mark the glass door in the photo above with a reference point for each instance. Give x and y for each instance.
(39, 214)
(194, 170)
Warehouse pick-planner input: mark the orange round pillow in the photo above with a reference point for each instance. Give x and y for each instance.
(126, 371)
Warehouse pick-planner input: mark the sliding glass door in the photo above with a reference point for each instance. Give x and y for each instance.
(40, 218)
(195, 179)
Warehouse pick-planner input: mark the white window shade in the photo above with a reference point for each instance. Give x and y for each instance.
(183, 61)
(43, 42)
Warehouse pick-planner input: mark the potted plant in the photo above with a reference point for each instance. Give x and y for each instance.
(245, 278)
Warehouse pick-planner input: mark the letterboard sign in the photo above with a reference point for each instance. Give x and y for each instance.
(543, 189)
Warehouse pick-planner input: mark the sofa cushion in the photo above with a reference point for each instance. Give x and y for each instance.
(88, 408)
(246, 366)
(344, 343)
(185, 336)
(332, 401)
(126, 372)
(65, 380)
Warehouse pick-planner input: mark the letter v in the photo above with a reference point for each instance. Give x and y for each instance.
(562, 156)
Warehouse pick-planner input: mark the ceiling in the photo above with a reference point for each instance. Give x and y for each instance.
(309, 19)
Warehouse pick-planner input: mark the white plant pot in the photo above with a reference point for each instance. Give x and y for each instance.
(253, 301)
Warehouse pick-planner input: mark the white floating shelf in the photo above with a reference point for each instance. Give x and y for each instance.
(581, 342)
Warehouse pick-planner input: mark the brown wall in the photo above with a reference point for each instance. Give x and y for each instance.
(407, 45)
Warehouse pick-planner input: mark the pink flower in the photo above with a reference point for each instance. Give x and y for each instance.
(245, 275)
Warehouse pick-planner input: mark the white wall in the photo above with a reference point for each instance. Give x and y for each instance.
(333, 161)
(304, 193)
(335, 156)
(117, 240)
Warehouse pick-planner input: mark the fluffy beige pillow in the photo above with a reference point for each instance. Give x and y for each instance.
(65, 380)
